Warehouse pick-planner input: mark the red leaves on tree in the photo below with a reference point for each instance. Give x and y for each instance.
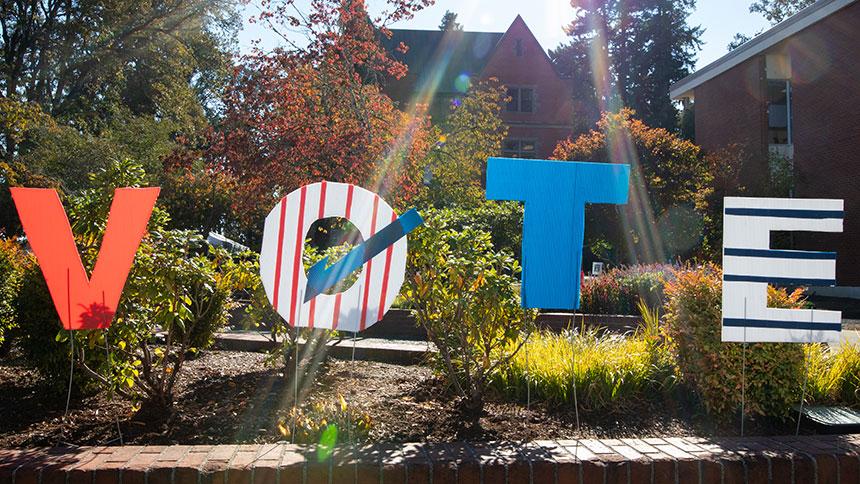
(295, 116)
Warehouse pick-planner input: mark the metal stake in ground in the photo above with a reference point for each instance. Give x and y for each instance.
(349, 412)
(528, 375)
(573, 372)
(296, 376)
(71, 373)
(351, 434)
(744, 370)
(107, 356)
(71, 339)
(805, 381)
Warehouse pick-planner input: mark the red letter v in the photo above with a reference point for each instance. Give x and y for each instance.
(81, 302)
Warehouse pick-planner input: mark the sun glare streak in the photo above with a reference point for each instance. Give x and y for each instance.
(622, 149)
(417, 107)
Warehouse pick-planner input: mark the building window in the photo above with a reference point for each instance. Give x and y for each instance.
(518, 148)
(779, 112)
(521, 100)
(518, 47)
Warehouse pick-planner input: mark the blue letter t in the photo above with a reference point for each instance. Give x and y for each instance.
(555, 194)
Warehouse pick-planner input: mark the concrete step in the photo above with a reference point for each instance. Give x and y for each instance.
(372, 349)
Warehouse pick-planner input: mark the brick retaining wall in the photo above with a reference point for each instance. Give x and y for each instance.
(818, 459)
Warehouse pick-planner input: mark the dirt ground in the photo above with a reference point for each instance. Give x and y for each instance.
(235, 397)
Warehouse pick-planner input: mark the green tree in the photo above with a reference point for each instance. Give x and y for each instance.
(66, 154)
(574, 61)
(86, 83)
(669, 54)
(472, 133)
(80, 59)
(641, 48)
(775, 11)
(449, 22)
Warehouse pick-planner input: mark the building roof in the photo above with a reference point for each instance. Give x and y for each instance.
(758, 45)
(436, 56)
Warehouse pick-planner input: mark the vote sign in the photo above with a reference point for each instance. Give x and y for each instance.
(555, 194)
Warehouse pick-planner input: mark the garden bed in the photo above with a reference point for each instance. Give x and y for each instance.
(230, 397)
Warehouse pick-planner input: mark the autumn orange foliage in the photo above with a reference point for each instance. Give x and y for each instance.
(298, 115)
(660, 222)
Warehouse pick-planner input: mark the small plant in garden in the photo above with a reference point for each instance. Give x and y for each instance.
(611, 372)
(774, 372)
(182, 294)
(259, 312)
(313, 423)
(462, 292)
(619, 290)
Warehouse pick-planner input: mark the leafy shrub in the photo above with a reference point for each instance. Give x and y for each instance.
(176, 297)
(774, 372)
(619, 290)
(462, 292)
(47, 346)
(171, 291)
(610, 371)
(181, 291)
(502, 220)
(11, 266)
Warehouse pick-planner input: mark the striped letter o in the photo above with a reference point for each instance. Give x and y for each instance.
(284, 278)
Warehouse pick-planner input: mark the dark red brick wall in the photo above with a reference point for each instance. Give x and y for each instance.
(730, 109)
(552, 118)
(825, 118)
(825, 63)
(783, 460)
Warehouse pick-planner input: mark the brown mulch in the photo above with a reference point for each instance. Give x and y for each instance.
(235, 397)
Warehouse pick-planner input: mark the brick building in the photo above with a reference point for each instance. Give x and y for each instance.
(441, 65)
(793, 92)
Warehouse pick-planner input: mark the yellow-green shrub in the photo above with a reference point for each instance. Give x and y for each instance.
(774, 372)
(309, 423)
(11, 265)
(610, 371)
(834, 373)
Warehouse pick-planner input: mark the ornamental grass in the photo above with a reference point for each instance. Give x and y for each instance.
(611, 372)
(834, 374)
